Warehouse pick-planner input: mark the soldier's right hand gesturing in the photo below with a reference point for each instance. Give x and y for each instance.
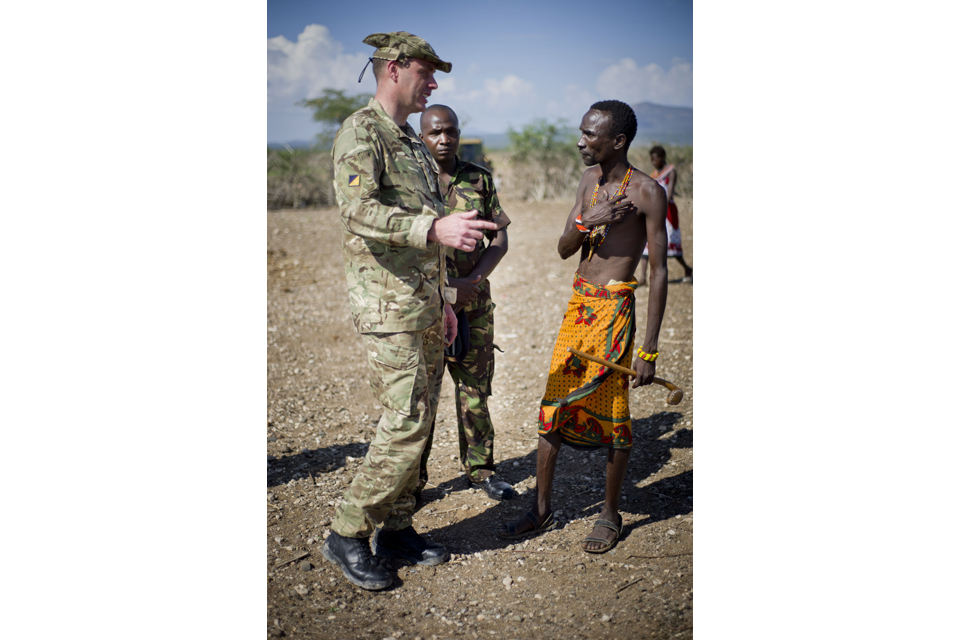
(459, 230)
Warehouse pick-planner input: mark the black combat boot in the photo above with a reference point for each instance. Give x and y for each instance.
(407, 544)
(353, 557)
(495, 488)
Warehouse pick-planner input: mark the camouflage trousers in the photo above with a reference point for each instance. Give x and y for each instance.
(406, 370)
(473, 379)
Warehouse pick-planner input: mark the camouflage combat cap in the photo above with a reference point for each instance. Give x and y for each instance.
(399, 44)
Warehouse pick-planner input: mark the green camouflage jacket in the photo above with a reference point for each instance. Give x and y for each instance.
(471, 187)
(389, 195)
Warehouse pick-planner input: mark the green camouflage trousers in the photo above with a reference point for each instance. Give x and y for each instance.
(473, 379)
(406, 371)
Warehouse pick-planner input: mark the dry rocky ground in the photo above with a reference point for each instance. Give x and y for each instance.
(321, 416)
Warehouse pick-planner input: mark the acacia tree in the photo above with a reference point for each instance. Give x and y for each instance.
(331, 109)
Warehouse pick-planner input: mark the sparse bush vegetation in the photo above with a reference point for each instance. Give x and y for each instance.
(299, 178)
(542, 162)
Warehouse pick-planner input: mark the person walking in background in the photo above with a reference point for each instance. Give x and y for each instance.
(666, 175)
(466, 187)
(394, 239)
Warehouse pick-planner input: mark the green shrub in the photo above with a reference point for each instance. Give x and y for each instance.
(542, 162)
(299, 178)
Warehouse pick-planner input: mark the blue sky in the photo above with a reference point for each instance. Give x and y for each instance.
(512, 61)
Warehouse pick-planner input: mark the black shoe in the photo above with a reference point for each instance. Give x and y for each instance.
(496, 489)
(353, 557)
(407, 544)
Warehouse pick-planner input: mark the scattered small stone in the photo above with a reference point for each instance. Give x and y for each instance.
(671, 532)
(507, 582)
(302, 589)
(306, 565)
(605, 617)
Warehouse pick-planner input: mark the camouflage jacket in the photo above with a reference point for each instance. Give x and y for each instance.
(471, 187)
(389, 195)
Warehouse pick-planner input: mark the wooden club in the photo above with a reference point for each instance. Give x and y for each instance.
(676, 393)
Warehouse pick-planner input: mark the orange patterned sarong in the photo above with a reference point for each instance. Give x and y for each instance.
(586, 401)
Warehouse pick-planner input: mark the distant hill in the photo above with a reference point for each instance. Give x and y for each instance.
(490, 140)
(670, 125)
(293, 144)
(655, 122)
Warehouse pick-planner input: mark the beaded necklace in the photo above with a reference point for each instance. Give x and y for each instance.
(599, 233)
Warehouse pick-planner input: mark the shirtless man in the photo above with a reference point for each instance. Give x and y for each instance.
(586, 405)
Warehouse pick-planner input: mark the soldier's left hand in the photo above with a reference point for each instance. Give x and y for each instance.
(449, 325)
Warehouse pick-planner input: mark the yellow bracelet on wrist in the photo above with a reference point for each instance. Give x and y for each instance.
(649, 357)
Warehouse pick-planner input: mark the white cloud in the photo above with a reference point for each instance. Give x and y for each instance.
(627, 82)
(303, 69)
(446, 88)
(489, 106)
(505, 93)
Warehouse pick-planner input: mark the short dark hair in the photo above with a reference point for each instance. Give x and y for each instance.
(439, 107)
(624, 119)
(660, 151)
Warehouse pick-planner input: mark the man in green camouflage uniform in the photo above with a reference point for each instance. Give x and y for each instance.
(391, 208)
(466, 187)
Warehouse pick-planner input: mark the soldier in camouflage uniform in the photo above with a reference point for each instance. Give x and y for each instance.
(392, 216)
(467, 186)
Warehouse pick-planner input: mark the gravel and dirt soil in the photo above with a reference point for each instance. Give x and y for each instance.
(321, 416)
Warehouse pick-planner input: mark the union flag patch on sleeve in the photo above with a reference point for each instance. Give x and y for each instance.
(354, 181)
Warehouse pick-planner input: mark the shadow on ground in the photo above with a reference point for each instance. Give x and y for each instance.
(312, 462)
(579, 487)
